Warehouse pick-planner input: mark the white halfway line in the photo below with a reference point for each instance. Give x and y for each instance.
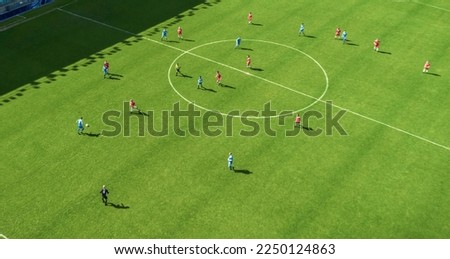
(277, 84)
(432, 6)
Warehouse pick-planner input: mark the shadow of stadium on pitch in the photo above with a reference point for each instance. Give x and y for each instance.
(43, 53)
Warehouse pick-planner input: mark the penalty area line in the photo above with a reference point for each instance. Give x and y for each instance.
(236, 69)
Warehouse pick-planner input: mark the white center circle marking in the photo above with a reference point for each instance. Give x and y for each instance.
(316, 99)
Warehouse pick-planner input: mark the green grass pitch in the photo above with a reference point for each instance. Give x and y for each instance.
(387, 178)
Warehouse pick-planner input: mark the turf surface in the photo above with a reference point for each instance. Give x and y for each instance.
(387, 178)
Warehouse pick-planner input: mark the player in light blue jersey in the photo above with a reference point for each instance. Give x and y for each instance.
(80, 126)
(302, 30)
(164, 34)
(238, 42)
(105, 69)
(344, 37)
(200, 82)
(230, 161)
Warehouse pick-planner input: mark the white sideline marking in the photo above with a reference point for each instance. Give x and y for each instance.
(3, 236)
(184, 51)
(25, 19)
(14, 24)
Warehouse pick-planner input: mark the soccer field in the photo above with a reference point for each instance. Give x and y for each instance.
(371, 159)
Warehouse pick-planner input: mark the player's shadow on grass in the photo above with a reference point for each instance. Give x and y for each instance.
(118, 206)
(187, 76)
(115, 76)
(171, 41)
(385, 52)
(306, 128)
(229, 86)
(209, 89)
(243, 171)
(140, 113)
(352, 44)
(189, 40)
(432, 74)
(90, 134)
(310, 36)
(249, 49)
(256, 69)
(257, 24)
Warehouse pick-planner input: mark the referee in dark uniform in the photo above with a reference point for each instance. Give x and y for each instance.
(104, 193)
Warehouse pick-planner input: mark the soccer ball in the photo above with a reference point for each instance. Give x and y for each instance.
(87, 125)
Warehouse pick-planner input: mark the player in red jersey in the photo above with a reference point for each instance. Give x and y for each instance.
(426, 67)
(250, 18)
(133, 106)
(218, 78)
(337, 35)
(376, 44)
(249, 61)
(297, 121)
(180, 32)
